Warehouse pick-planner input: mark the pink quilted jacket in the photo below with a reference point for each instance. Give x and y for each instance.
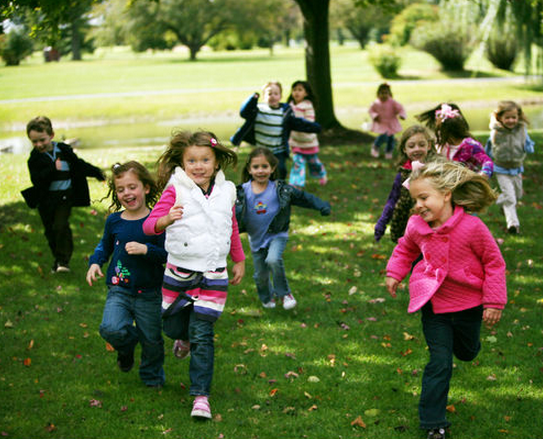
(462, 266)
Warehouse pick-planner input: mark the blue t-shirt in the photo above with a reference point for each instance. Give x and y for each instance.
(260, 212)
(134, 272)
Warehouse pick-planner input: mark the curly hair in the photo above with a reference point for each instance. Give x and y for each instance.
(143, 175)
(468, 189)
(505, 106)
(268, 155)
(180, 141)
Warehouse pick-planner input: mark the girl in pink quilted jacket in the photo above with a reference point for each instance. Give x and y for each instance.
(460, 280)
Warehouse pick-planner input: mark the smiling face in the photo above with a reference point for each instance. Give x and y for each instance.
(272, 95)
(131, 193)
(509, 119)
(200, 164)
(260, 169)
(299, 93)
(431, 205)
(417, 147)
(41, 141)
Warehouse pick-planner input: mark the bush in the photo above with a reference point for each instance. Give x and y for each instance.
(450, 44)
(385, 60)
(501, 50)
(409, 19)
(14, 47)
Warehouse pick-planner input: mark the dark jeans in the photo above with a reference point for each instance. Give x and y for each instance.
(388, 138)
(55, 216)
(185, 325)
(446, 334)
(124, 307)
(269, 275)
(282, 165)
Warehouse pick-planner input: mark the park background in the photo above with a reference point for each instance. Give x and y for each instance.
(347, 361)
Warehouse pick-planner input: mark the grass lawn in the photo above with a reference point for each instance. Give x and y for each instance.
(346, 363)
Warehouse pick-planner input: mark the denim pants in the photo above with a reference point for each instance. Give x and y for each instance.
(282, 165)
(186, 325)
(446, 334)
(124, 307)
(297, 173)
(388, 138)
(270, 277)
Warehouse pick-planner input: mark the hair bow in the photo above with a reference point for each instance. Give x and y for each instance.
(415, 166)
(447, 112)
(213, 141)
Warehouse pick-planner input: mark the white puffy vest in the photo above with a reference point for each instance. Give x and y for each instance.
(200, 240)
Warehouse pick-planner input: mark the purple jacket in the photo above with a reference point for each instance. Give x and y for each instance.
(462, 266)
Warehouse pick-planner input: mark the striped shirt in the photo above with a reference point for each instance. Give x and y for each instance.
(62, 181)
(269, 128)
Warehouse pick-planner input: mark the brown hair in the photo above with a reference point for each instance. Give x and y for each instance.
(505, 106)
(268, 155)
(385, 86)
(40, 124)
(180, 141)
(410, 132)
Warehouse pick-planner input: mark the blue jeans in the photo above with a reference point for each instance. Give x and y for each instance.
(124, 307)
(269, 275)
(446, 334)
(282, 165)
(186, 325)
(388, 138)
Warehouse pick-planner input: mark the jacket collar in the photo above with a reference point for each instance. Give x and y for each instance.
(424, 228)
(180, 177)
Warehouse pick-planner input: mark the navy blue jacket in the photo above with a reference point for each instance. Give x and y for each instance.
(249, 111)
(287, 195)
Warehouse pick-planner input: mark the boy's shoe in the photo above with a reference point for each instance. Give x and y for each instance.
(181, 349)
(388, 156)
(201, 408)
(289, 302)
(126, 361)
(323, 180)
(513, 230)
(63, 268)
(374, 152)
(269, 305)
(436, 433)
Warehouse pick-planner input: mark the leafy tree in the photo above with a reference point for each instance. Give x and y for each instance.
(409, 19)
(15, 46)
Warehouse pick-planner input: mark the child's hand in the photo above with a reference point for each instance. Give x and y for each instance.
(392, 285)
(491, 316)
(175, 213)
(135, 248)
(58, 164)
(238, 270)
(94, 271)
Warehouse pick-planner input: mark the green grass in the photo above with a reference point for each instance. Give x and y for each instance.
(342, 332)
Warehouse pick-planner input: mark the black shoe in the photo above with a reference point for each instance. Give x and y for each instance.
(125, 362)
(513, 230)
(436, 433)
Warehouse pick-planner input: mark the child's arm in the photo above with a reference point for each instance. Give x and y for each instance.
(101, 254)
(374, 111)
(388, 210)
(299, 123)
(82, 166)
(153, 252)
(236, 252)
(399, 264)
(484, 162)
(249, 107)
(529, 144)
(309, 201)
(392, 285)
(400, 110)
(163, 214)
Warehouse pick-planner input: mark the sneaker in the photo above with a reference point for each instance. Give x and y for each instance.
(374, 152)
(436, 433)
(388, 156)
(323, 180)
(63, 268)
(201, 408)
(289, 301)
(269, 305)
(126, 361)
(181, 349)
(513, 230)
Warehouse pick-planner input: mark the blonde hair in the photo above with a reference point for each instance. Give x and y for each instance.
(468, 189)
(270, 83)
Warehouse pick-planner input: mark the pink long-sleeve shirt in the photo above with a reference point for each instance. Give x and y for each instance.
(462, 265)
(388, 113)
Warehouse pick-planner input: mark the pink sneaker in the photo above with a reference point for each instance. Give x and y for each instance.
(374, 152)
(181, 349)
(323, 180)
(201, 408)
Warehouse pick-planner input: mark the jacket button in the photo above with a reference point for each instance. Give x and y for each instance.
(443, 259)
(445, 239)
(185, 244)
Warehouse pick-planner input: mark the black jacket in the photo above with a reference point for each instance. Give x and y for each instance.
(287, 195)
(42, 171)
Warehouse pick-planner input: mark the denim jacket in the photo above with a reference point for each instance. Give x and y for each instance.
(287, 195)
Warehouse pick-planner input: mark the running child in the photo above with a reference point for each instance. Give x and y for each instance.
(269, 124)
(305, 146)
(134, 275)
(508, 145)
(416, 147)
(196, 210)
(263, 211)
(459, 282)
(384, 113)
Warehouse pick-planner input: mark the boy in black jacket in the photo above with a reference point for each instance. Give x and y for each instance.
(59, 182)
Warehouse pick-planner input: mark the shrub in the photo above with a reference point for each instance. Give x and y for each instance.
(409, 19)
(385, 60)
(501, 50)
(450, 44)
(14, 47)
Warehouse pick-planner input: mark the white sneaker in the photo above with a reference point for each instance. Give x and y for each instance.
(374, 152)
(289, 301)
(270, 304)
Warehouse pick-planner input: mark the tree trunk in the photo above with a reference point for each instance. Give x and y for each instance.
(76, 41)
(317, 59)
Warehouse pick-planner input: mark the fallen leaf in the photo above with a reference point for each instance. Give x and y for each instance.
(451, 408)
(291, 374)
(217, 417)
(256, 407)
(273, 391)
(27, 362)
(95, 403)
(491, 377)
(50, 427)
(313, 379)
(358, 422)
(8, 324)
(30, 345)
(491, 339)
(307, 395)
(378, 256)
(288, 410)
(313, 407)
(372, 412)
(407, 336)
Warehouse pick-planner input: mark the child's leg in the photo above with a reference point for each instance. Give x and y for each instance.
(377, 144)
(261, 275)
(282, 165)
(316, 168)
(202, 353)
(274, 261)
(438, 331)
(149, 326)
(467, 331)
(297, 172)
(507, 199)
(117, 327)
(391, 141)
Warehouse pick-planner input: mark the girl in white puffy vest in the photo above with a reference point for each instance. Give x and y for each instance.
(196, 210)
